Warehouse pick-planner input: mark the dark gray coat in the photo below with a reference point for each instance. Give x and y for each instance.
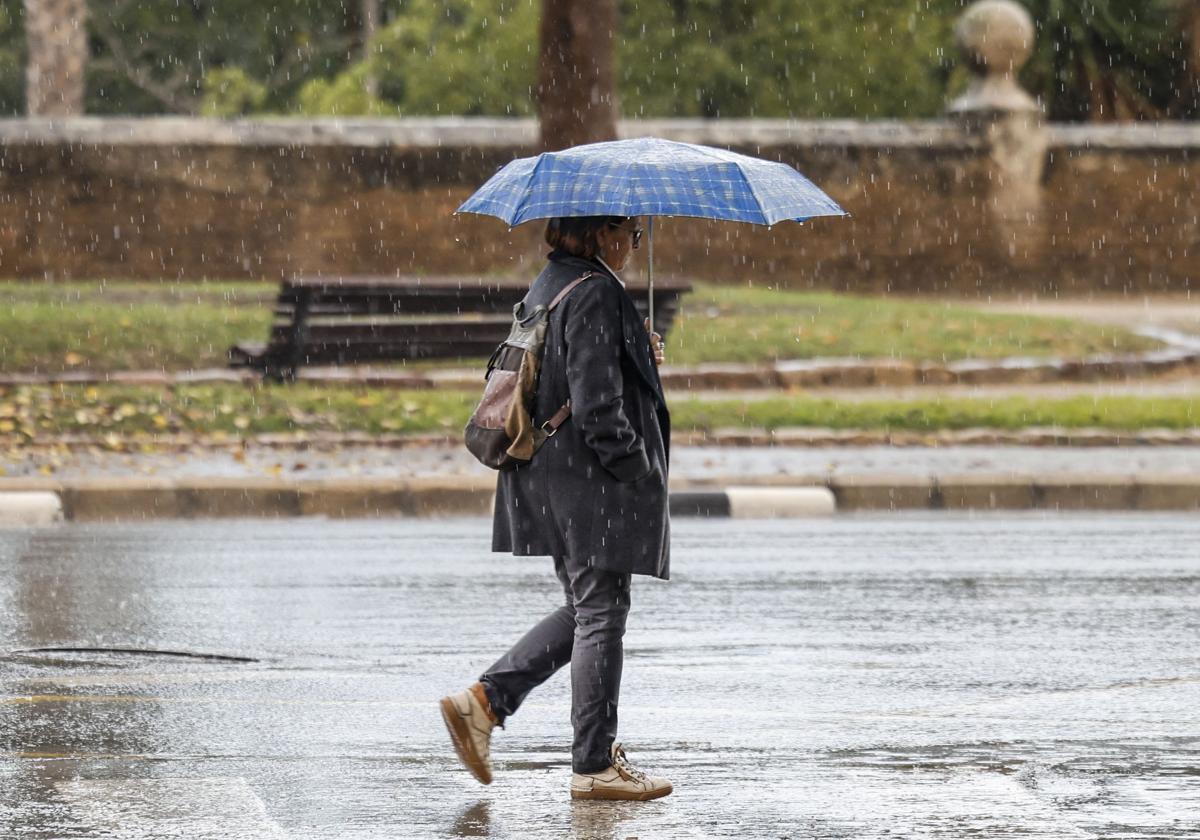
(597, 490)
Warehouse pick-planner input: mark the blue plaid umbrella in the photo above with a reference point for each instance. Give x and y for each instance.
(650, 177)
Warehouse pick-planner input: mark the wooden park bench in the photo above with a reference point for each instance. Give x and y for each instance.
(348, 320)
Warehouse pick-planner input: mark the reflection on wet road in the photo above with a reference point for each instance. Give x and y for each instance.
(890, 676)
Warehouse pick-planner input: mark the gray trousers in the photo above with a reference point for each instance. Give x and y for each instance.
(586, 631)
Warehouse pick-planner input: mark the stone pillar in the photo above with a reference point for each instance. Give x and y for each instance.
(996, 38)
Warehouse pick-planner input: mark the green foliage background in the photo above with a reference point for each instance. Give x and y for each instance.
(778, 58)
(1095, 59)
(12, 59)
(436, 57)
(803, 58)
(1109, 59)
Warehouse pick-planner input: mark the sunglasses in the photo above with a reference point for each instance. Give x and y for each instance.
(636, 232)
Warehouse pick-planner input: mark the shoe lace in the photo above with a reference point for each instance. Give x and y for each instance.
(623, 765)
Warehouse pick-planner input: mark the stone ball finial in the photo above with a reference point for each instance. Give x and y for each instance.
(996, 36)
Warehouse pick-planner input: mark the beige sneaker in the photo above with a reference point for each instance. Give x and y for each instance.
(470, 721)
(619, 781)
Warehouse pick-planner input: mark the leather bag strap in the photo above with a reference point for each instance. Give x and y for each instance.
(569, 288)
(560, 416)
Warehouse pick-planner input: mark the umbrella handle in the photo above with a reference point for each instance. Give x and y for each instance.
(650, 268)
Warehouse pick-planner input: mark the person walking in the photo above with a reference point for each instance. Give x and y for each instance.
(594, 498)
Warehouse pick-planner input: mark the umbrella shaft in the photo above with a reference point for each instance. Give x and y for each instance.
(650, 268)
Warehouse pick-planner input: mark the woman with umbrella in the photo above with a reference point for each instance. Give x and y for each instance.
(594, 498)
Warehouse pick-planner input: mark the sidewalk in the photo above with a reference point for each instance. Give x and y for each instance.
(1173, 311)
(690, 465)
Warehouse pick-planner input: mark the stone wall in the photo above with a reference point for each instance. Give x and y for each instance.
(935, 205)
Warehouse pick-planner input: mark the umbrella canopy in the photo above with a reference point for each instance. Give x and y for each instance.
(650, 177)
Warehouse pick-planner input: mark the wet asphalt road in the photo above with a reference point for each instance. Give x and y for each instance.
(890, 676)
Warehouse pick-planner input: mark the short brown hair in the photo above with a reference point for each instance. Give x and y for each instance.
(577, 234)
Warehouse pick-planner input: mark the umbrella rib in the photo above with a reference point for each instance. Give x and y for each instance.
(523, 204)
(757, 200)
(713, 152)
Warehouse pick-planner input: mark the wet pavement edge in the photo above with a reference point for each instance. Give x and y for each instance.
(136, 498)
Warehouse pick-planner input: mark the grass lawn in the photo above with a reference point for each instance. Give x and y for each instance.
(738, 324)
(1006, 413)
(124, 413)
(175, 326)
(128, 326)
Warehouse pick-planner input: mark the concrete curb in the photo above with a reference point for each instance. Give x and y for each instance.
(1007, 492)
(27, 508)
(780, 502)
(41, 501)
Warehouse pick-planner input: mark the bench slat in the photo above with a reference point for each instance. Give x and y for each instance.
(399, 331)
(437, 302)
(662, 306)
(342, 329)
(369, 351)
(419, 284)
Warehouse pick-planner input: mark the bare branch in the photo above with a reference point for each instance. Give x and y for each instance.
(165, 92)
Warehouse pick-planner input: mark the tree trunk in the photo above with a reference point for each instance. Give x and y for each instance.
(370, 25)
(1189, 95)
(576, 91)
(57, 41)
